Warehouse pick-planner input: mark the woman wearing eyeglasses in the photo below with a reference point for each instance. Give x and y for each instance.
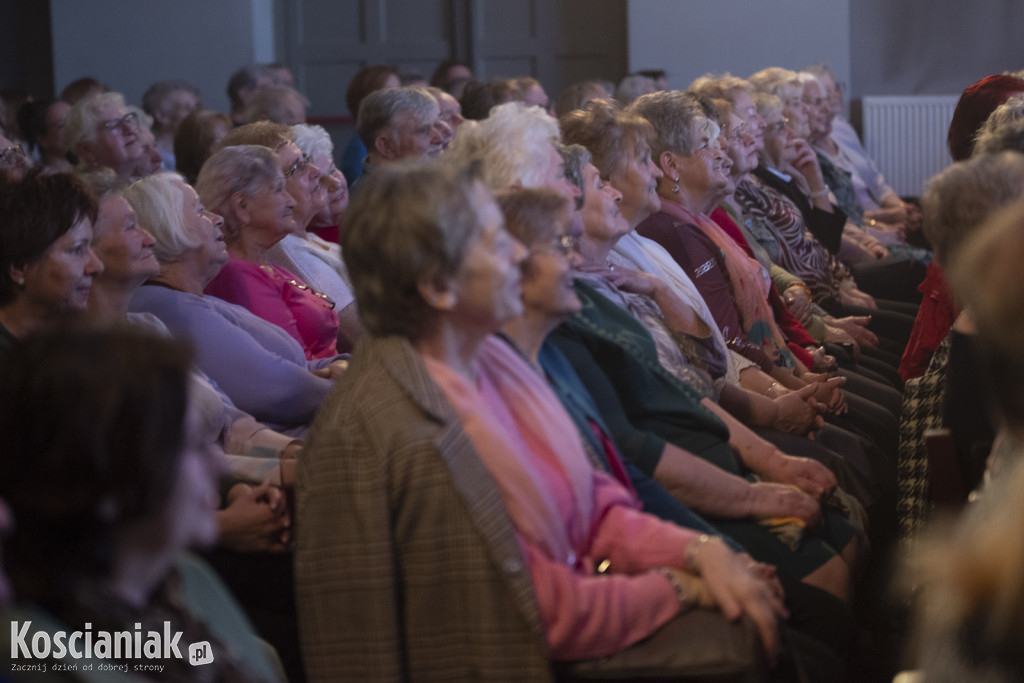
(102, 132)
(14, 162)
(305, 252)
(262, 198)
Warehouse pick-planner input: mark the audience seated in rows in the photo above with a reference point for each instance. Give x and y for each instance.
(517, 393)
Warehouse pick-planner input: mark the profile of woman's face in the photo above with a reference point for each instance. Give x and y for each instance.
(547, 273)
(487, 288)
(603, 222)
(124, 248)
(205, 227)
(336, 187)
(302, 180)
(272, 210)
(637, 180)
(62, 278)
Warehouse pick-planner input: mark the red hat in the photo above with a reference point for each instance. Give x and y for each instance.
(973, 109)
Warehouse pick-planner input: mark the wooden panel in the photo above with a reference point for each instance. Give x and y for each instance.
(326, 24)
(507, 67)
(556, 41)
(325, 86)
(504, 20)
(417, 21)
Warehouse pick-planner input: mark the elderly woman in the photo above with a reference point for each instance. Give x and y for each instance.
(735, 286)
(126, 251)
(447, 452)
(109, 474)
(196, 139)
(783, 211)
(879, 199)
(696, 178)
(865, 375)
(541, 220)
(245, 185)
(310, 258)
(315, 142)
(617, 307)
(101, 131)
(846, 179)
(257, 364)
(624, 154)
(46, 259)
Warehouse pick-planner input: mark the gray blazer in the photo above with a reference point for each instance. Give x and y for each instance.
(407, 566)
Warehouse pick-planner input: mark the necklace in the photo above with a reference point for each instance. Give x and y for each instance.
(301, 285)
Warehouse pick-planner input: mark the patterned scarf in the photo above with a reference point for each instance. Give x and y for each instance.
(750, 285)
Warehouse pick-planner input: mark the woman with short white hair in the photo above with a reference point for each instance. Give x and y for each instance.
(313, 259)
(245, 185)
(257, 364)
(101, 131)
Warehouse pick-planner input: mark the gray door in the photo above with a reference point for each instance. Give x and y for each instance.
(557, 42)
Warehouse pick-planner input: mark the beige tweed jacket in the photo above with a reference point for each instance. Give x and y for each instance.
(406, 564)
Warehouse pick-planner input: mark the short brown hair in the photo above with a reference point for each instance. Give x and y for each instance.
(530, 213)
(609, 133)
(266, 133)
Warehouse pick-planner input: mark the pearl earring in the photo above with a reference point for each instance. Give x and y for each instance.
(675, 188)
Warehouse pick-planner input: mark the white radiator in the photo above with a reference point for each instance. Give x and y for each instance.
(906, 136)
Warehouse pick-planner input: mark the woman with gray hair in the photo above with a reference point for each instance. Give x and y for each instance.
(1003, 129)
(448, 451)
(101, 131)
(258, 365)
(315, 260)
(245, 185)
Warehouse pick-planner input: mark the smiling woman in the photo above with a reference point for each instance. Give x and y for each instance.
(246, 186)
(46, 259)
(102, 132)
(445, 449)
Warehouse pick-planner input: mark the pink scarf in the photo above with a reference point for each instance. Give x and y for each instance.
(530, 446)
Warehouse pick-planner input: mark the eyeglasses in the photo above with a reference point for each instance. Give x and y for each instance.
(12, 155)
(127, 123)
(738, 134)
(300, 166)
(564, 245)
(778, 126)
